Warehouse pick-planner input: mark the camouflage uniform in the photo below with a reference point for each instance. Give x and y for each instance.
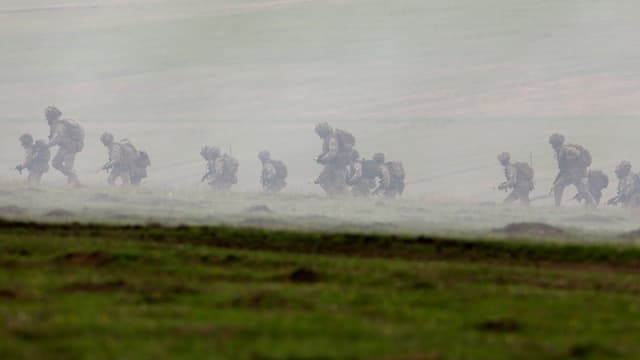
(628, 187)
(221, 169)
(274, 173)
(571, 170)
(37, 158)
(68, 135)
(362, 176)
(598, 181)
(119, 164)
(335, 159)
(519, 179)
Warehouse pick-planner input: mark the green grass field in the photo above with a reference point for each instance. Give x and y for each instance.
(103, 292)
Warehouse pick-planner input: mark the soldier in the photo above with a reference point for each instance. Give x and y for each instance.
(337, 154)
(598, 181)
(519, 179)
(68, 135)
(37, 158)
(274, 173)
(221, 169)
(119, 163)
(628, 187)
(573, 161)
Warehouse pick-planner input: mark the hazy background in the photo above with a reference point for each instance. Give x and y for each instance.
(443, 86)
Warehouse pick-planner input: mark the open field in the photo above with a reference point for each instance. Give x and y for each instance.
(95, 291)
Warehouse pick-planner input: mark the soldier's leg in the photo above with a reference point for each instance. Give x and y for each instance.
(34, 177)
(68, 161)
(113, 176)
(513, 196)
(583, 190)
(524, 197)
(558, 190)
(58, 160)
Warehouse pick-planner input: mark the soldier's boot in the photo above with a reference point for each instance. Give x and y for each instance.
(513, 196)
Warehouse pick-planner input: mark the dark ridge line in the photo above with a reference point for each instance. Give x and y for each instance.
(431, 248)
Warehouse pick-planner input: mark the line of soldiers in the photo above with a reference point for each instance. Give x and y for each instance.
(344, 170)
(573, 169)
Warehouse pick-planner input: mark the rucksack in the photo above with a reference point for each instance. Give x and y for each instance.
(230, 165)
(584, 158)
(525, 172)
(281, 168)
(143, 160)
(129, 152)
(396, 169)
(76, 133)
(345, 139)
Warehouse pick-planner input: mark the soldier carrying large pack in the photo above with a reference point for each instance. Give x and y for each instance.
(391, 177)
(573, 162)
(222, 170)
(337, 153)
(519, 179)
(125, 161)
(69, 136)
(597, 181)
(628, 187)
(274, 173)
(37, 158)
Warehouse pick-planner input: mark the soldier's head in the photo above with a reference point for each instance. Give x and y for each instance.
(504, 158)
(26, 140)
(210, 152)
(556, 140)
(379, 158)
(107, 139)
(264, 155)
(52, 114)
(323, 129)
(623, 169)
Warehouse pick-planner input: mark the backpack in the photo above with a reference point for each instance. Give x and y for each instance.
(143, 160)
(370, 169)
(525, 172)
(231, 167)
(281, 168)
(396, 169)
(584, 158)
(345, 139)
(76, 133)
(129, 152)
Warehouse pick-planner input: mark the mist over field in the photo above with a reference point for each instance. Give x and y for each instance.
(443, 86)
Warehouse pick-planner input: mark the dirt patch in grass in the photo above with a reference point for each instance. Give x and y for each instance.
(591, 350)
(531, 231)
(95, 258)
(11, 294)
(60, 213)
(12, 211)
(303, 275)
(267, 299)
(96, 287)
(259, 209)
(499, 326)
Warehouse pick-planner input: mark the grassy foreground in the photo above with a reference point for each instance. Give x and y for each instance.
(102, 292)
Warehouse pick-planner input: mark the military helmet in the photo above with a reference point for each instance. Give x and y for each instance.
(623, 168)
(504, 157)
(264, 155)
(323, 129)
(378, 157)
(210, 152)
(26, 139)
(106, 138)
(52, 112)
(556, 139)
